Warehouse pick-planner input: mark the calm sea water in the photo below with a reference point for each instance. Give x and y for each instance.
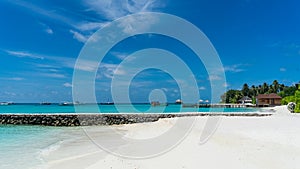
(124, 108)
(25, 146)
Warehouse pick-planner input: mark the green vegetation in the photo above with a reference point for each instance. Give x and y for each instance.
(287, 99)
(288, 93)
(297, 100)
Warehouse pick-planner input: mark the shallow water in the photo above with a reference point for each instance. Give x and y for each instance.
(124, 108)
(24, 146)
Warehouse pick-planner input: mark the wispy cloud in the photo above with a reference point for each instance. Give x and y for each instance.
(202, 88)
(16, 78)
(108, 70)
(24, 54)
(13, 78)
(214, 77)
(49, 31)
(59, 61)
(119, 55)
(53, 75)
(78, 36)
(52, 14)
(67, 85)
(82, 28)
(44, 65)
(133, 25)
(46, 28)
(282, 69)
(86, 65)
(89, 26)
(235, 68)
(113, 9)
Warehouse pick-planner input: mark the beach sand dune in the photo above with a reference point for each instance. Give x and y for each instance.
(239, 142)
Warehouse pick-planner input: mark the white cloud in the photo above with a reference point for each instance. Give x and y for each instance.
(46, 28)
(119, 55)
(90, 26)
(49, 31)
(86, 65)
(78, 36)
(202, 88)
(52, 14)
(16, 78)
(234, 68)
(67, 85)
(214, 77)
(113, 9)
(53, 75)
(107, 9)
(44, 65)
(10, 93)
(23, 54)
(108, 70)
(282, 69)
(13, 78)
(133, 25)
(165, 89)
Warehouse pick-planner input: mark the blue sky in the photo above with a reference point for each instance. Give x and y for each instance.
(257, 41)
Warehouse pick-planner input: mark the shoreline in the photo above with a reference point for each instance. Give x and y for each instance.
(238, 142)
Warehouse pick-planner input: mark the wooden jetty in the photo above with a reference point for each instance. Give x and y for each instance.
(219, 105)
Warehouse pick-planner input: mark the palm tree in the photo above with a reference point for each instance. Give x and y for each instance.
(281, 87)
(245, 90)
(260, 89)
(275, 86)
(265, 88)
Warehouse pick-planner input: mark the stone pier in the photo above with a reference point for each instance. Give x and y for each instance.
(99, 119)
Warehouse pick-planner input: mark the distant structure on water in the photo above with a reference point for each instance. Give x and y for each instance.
(6, 103)
(69, 103)
(46, 103)
(178, 101)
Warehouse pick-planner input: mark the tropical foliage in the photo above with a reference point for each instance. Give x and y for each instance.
(297, 100)
(232, 96)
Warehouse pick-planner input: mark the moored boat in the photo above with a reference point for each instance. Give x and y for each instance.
(4, 103)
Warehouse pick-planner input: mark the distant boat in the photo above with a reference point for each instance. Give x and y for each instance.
(46, 103)
(66, 104)
(4, 103)
(178, 101)
(107, 103)
(69, 103)
(155, 103)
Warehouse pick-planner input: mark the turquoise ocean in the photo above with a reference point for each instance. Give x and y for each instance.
(25, 146)
(117, 108)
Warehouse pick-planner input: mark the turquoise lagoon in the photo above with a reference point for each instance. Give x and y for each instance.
(124, 108)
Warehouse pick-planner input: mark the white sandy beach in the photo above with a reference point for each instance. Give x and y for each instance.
(239, 142)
